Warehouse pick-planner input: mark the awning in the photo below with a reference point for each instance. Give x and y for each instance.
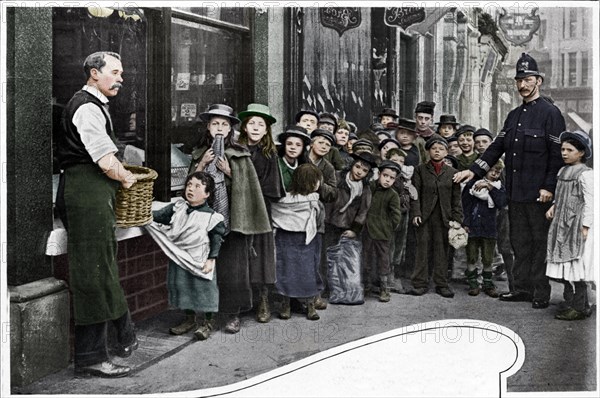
(582, 124)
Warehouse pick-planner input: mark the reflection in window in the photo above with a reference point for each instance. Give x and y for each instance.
(206, 69)
(76, 34)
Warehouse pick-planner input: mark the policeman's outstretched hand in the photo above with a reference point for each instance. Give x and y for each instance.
(545, 196)
(463, 176)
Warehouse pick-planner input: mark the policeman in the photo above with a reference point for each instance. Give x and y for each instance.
(529, 140)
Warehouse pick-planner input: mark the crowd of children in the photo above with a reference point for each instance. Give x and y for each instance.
(258, 217)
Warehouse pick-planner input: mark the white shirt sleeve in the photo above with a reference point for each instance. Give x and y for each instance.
(90, 122)
(587, 185)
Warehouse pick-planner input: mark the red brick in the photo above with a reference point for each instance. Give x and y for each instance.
(141, 245)
(132, 303)
(152, 296)
(122, 250)
(149, 312)
(160, 259)
(140, 264)
(160, 275)
(135, 284)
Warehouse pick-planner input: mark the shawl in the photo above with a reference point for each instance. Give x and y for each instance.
(185, 240)
(356, 188)
(297, 213)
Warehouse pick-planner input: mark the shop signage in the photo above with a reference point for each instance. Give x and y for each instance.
(403, 16)
(340, 19)
(519, 26)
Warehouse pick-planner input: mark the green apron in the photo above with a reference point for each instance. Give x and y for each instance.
(92, 245)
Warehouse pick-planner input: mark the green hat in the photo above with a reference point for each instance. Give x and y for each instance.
(257, 110)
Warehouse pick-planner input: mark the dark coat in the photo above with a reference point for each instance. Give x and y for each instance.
(529, 139)
(384, 213)
(433, 189)
(328, 189)
(355, 215)
(480, 219)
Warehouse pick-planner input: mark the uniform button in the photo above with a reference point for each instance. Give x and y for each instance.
(519, 124)
(514, 171)
(516, 139)
(514, 154)
(534, 136)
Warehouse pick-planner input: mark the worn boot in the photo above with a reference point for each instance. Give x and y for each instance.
(472, 281)
(188, 324)
(286, 309)
(320, 304)
(312, 312)
(384, 289)
(263, 314)
(488, 284)
(203, 332)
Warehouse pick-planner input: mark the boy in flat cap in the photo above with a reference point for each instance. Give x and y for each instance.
(466, 144)
(383, 218)
(424, 118)
(482, 138)
(437, 204)
(308, 119)
(447, 126)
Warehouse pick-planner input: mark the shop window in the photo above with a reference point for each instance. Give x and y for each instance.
(585, 65)
(572, 69)
(78, 32)
(210, 63)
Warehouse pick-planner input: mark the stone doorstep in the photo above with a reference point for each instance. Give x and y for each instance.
(155, 344)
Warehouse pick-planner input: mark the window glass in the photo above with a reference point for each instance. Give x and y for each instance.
(208, 66)
(233, 15)
(78, 33)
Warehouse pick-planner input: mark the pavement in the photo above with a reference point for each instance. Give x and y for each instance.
(558, 356)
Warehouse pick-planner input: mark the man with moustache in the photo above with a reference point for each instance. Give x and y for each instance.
(529, 140)
(90, 177)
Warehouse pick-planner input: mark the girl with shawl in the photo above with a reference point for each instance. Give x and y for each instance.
(239, 199)
(297, 219)
(255, 132)
(190, 233)
(292, 152)
(571, 235)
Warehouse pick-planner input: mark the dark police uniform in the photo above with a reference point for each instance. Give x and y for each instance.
(529, 140)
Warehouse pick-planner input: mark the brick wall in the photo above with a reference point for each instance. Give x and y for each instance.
(143, 274)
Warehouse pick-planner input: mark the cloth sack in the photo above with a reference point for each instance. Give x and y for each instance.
(344, 272)
(457, 236)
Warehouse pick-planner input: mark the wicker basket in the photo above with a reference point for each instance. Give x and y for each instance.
(134, 205)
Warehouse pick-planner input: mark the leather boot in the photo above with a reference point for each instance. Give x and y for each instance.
(312, 312)
(188, 324)
(203, 332)
(263, 314)
(488, 284)
(472, 281)
(286, 309)
(320, 304)
(384, 289)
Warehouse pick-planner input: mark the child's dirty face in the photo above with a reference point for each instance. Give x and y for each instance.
(465, 141)
(384, 150)
(341, 136)
(195, 192)
(398, 159)
(256, 129)
(493, 174)
(387, 177)
(309, 122)
(570, 154)
(385, 119)
(219, 125)
(293, 147)
(482, 142)
(405, 137)
(454, 149)
(437, 152)
(359, 171)
(446, 130)
(320, 146)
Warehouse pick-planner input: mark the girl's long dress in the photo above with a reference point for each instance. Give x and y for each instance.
(581, 268)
